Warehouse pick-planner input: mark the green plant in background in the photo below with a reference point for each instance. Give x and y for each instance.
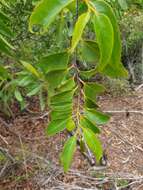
(71, 97)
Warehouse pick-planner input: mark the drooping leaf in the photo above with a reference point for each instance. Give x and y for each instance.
(88, 124)
(90, 51)
(55, 78)
(88, 74)
(45, 13)
(92, 89)
(68, 152)
(66, 85)
(54, 62)
(93, 143)
(79, 28)
(104, 37)
(114, 68)
(96, 117)
(62, 97)
(56, 126)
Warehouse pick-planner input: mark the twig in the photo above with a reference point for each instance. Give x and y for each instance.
(3, 169)
(3, 139)
(126, 141)
(139, 87)
(124, 111)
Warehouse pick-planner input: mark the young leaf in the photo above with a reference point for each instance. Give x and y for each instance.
(105, 38)
(45, 13)
(93, 143)
(79, 28)
(68, 152)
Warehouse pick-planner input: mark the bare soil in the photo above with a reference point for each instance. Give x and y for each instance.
(36, 164)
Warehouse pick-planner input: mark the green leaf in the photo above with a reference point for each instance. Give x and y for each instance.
(45, 13)
(79, 28)
(61, 107)
(84, 122)
(60, 115)
(5, 31)
(96, 117)
(56, 126)
(31, 69)
(66, 85)
(123, 4)
(18, 95)
(54, 62)
(114, 71)
(92, 89)
(3, 73)
(68, 152)
(114, 68)
(90, 104)
(62, 97)
(104, 37)
(93, 143)
(34, 91)
(90, 51)
(70, 125)
(58, 75)
(5, 47)
(88, 74)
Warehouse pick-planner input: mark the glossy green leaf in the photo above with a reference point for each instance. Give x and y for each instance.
(88, 74)
(91, 90)
(90, 51)
(114, 68)
(104, 37)
(60, 114)
(62, 97)
(56, 126)
(58, 75)
(70, 125)
(68, 152)
(88, 124)
(54, 62)
(93, 143)
(61, 107)
(114, 71)
(96, 117)
(79, 28)
(66, 85)
(45, 13)
(90, 104)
